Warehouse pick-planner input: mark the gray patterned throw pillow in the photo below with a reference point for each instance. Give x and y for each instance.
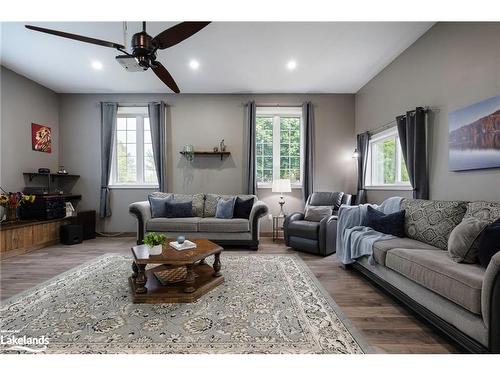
(489, 211)
(431, 222)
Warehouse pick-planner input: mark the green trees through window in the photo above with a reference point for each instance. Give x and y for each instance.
(264, 149)
(133, 154)
(290, 148)
(387, 165)
(277, 147)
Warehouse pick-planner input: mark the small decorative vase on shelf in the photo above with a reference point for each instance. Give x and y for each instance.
(11, 213)
(189, 152)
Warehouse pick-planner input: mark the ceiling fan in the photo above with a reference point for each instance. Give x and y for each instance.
(144, 47)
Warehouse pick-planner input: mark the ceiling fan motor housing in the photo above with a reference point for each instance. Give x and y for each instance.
(142, 44)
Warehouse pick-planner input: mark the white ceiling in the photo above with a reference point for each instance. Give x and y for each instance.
(235, 57)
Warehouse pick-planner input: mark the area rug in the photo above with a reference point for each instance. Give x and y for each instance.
(268, 304)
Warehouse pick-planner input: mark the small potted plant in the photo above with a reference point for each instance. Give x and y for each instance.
(155, 242)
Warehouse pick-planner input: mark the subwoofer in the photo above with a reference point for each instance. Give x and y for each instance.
(71, 234)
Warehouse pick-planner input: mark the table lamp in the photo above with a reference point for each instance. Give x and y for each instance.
(282, 186)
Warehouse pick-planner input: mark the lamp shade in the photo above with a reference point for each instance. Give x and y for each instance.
(282, 186)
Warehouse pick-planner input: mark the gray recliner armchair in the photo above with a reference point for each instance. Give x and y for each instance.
(311, 236)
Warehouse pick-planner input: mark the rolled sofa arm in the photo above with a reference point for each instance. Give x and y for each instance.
(296, 216)
(142, 212)
(259, 209)
(490, 302)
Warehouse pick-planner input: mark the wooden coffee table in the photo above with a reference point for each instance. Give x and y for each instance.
(200, 276)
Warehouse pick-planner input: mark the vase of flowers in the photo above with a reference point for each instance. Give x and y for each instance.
(11, 202)
(155, 242)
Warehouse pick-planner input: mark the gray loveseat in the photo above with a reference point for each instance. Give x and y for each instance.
(203, 224)
(461, 300)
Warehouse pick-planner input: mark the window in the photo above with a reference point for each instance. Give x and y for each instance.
(278, 145)
(386, 166)
(133, 162)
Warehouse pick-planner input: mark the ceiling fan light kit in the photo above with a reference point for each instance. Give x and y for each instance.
(144, 47)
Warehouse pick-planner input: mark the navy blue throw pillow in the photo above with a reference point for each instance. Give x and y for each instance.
(178, 209)
(489, 243)
(389, 224)
(242, 208)
(157, 205)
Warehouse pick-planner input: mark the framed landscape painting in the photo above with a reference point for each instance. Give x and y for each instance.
(474, 136)
(41, 138)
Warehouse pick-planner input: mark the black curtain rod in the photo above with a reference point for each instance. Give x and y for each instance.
(130, 104)
(393, 122)
(276, 105)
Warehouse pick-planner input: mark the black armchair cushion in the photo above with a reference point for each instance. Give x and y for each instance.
(304, 229)
(324, 198)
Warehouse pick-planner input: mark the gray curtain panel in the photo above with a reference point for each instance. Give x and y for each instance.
(108, 131)
(362, 141)
(157, 121)
(250, 177)
(412, 130)
(308, 166)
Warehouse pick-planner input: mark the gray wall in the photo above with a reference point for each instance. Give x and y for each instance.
(451, 66)
(23, 102)
(202, 120)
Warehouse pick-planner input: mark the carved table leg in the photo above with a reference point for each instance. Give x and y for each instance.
(141, 279)
(217, 265)
(135, 270)
(190, 278)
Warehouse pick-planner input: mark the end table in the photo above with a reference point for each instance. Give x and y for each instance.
(278, 226)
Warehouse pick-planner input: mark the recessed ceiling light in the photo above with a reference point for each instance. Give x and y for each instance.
(291, 65)
(194, 64)
(97, 65)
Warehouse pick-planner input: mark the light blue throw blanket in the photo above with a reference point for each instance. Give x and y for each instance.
(354, 238)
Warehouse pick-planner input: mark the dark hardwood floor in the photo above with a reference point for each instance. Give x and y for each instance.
(385, 325)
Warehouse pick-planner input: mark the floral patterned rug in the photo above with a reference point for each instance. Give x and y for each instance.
(268, 304)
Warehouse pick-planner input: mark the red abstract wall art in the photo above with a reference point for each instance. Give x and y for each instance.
(41, 138)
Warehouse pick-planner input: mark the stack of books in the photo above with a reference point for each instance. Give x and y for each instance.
(186, 245)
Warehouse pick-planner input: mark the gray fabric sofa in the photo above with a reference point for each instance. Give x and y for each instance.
(311, 236)
(461, 300)
(203, 224)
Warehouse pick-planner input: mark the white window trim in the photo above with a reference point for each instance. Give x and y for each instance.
(139, 115)
(393, 131)
(276, 113)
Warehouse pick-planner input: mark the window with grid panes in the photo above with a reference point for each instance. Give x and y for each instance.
(278, 145)
(133, 162)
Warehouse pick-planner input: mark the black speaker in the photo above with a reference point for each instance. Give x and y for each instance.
(71, 234)
(87, 220)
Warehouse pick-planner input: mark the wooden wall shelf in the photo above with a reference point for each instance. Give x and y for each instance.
(32, 175)
(207, 153)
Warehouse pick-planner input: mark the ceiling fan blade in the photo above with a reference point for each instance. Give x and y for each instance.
(178, 33)
(163, 74)
(80, 38)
